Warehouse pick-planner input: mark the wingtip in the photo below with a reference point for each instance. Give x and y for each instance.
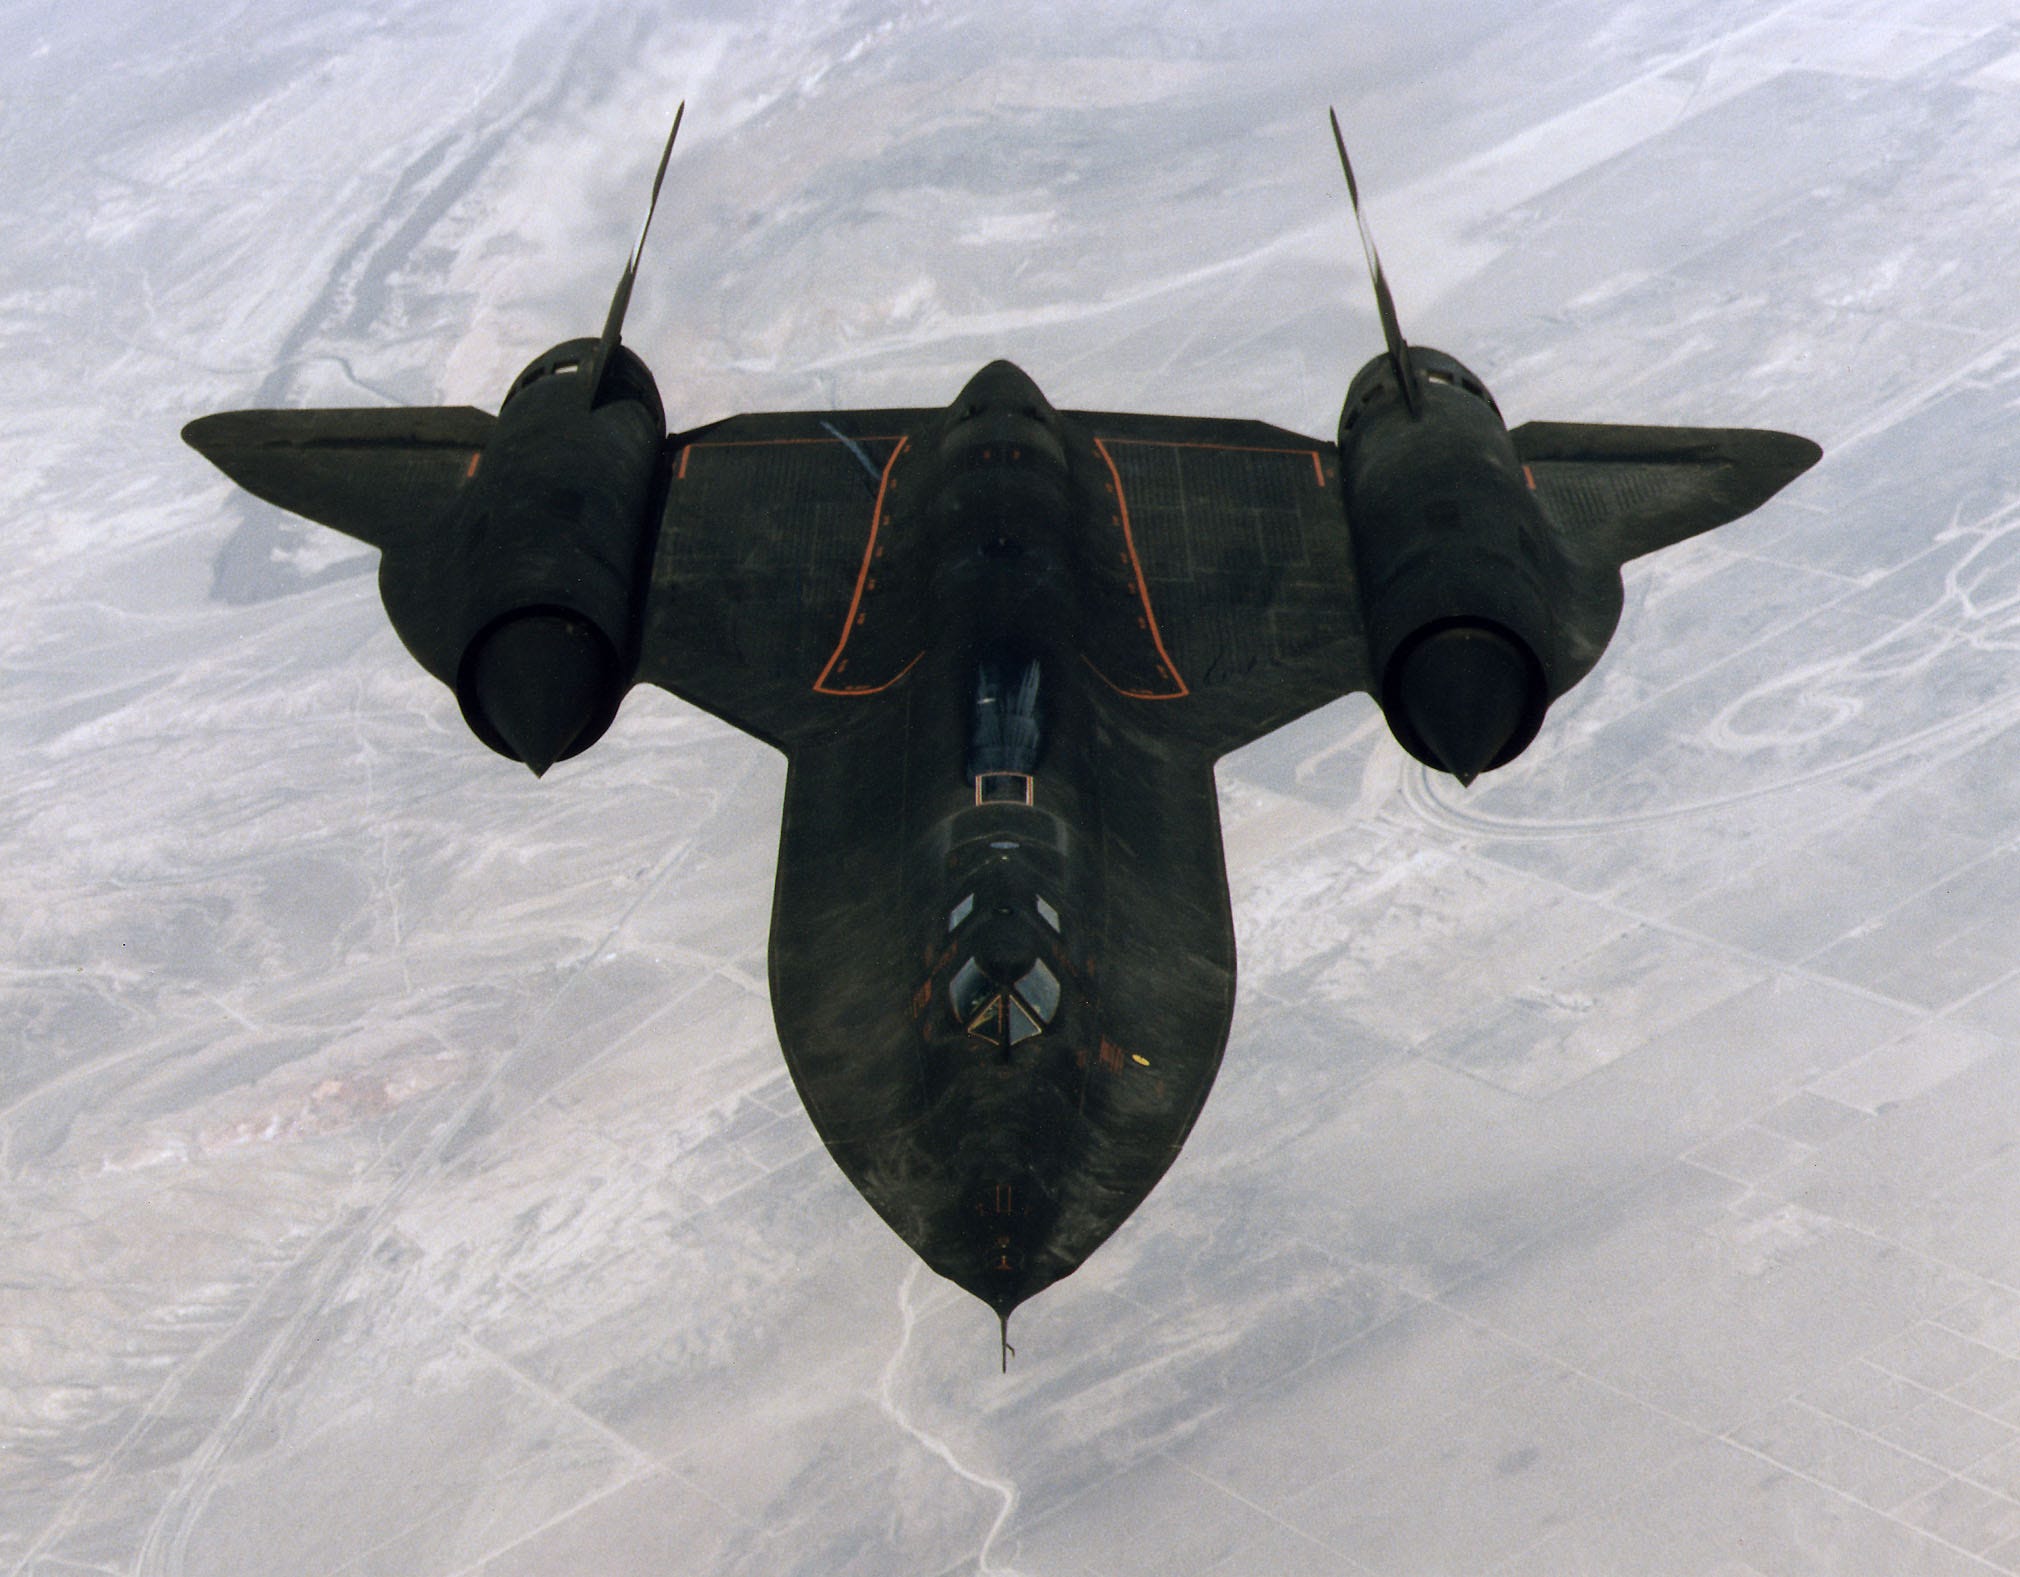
(221, 432)
(202, 432)
(1778, 458)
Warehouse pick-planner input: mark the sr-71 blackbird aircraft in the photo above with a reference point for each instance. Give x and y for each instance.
(1001, 646)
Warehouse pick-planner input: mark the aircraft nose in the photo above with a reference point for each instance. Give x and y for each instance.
(1007, 1218)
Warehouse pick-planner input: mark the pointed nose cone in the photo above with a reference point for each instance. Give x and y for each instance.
(1004, 1291)
(1002, 1247)
(1466, 695)
(540, 682)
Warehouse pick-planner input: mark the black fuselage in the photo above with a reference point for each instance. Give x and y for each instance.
(1002, 959)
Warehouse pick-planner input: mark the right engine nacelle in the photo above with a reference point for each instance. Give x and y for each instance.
(1457, 567)
(531, 612)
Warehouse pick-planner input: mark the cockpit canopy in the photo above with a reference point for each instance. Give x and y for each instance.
(1004, 1015)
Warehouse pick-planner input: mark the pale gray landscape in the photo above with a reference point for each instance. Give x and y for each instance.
(1614, 1166)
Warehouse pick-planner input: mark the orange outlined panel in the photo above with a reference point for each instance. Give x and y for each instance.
(838, 661)
(1167, 668)
(680, 471)
(1318, 463)
(829, 680)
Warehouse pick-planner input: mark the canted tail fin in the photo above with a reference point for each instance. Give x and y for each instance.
(1385, 305)
(620, 302)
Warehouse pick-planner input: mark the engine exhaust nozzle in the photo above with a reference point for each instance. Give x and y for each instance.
(1464, 699)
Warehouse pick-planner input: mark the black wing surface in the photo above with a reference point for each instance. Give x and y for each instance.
(1247, 567)
(1622, 491)
(379, 474)
(779, 599)
(769, 542)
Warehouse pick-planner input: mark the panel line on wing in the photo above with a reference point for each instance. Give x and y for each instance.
(680, 471)
(1318, 464)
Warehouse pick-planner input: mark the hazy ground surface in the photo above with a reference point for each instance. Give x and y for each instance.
(1613, 1169)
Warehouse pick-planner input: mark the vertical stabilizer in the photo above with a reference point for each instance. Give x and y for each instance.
(1385, 306)
(620, 302)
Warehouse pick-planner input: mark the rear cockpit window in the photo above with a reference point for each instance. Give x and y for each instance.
(960, 912)
(1048, 914)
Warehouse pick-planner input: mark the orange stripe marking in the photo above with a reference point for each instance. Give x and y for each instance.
(1318, 469)
(680, 473)
(837, 661)
(765, 443)
(873, 689)
(1142, 592)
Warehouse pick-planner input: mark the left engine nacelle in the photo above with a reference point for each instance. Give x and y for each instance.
(547, 560)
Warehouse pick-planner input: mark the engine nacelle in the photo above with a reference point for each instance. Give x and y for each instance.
(1457, 567)
(544, 578)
